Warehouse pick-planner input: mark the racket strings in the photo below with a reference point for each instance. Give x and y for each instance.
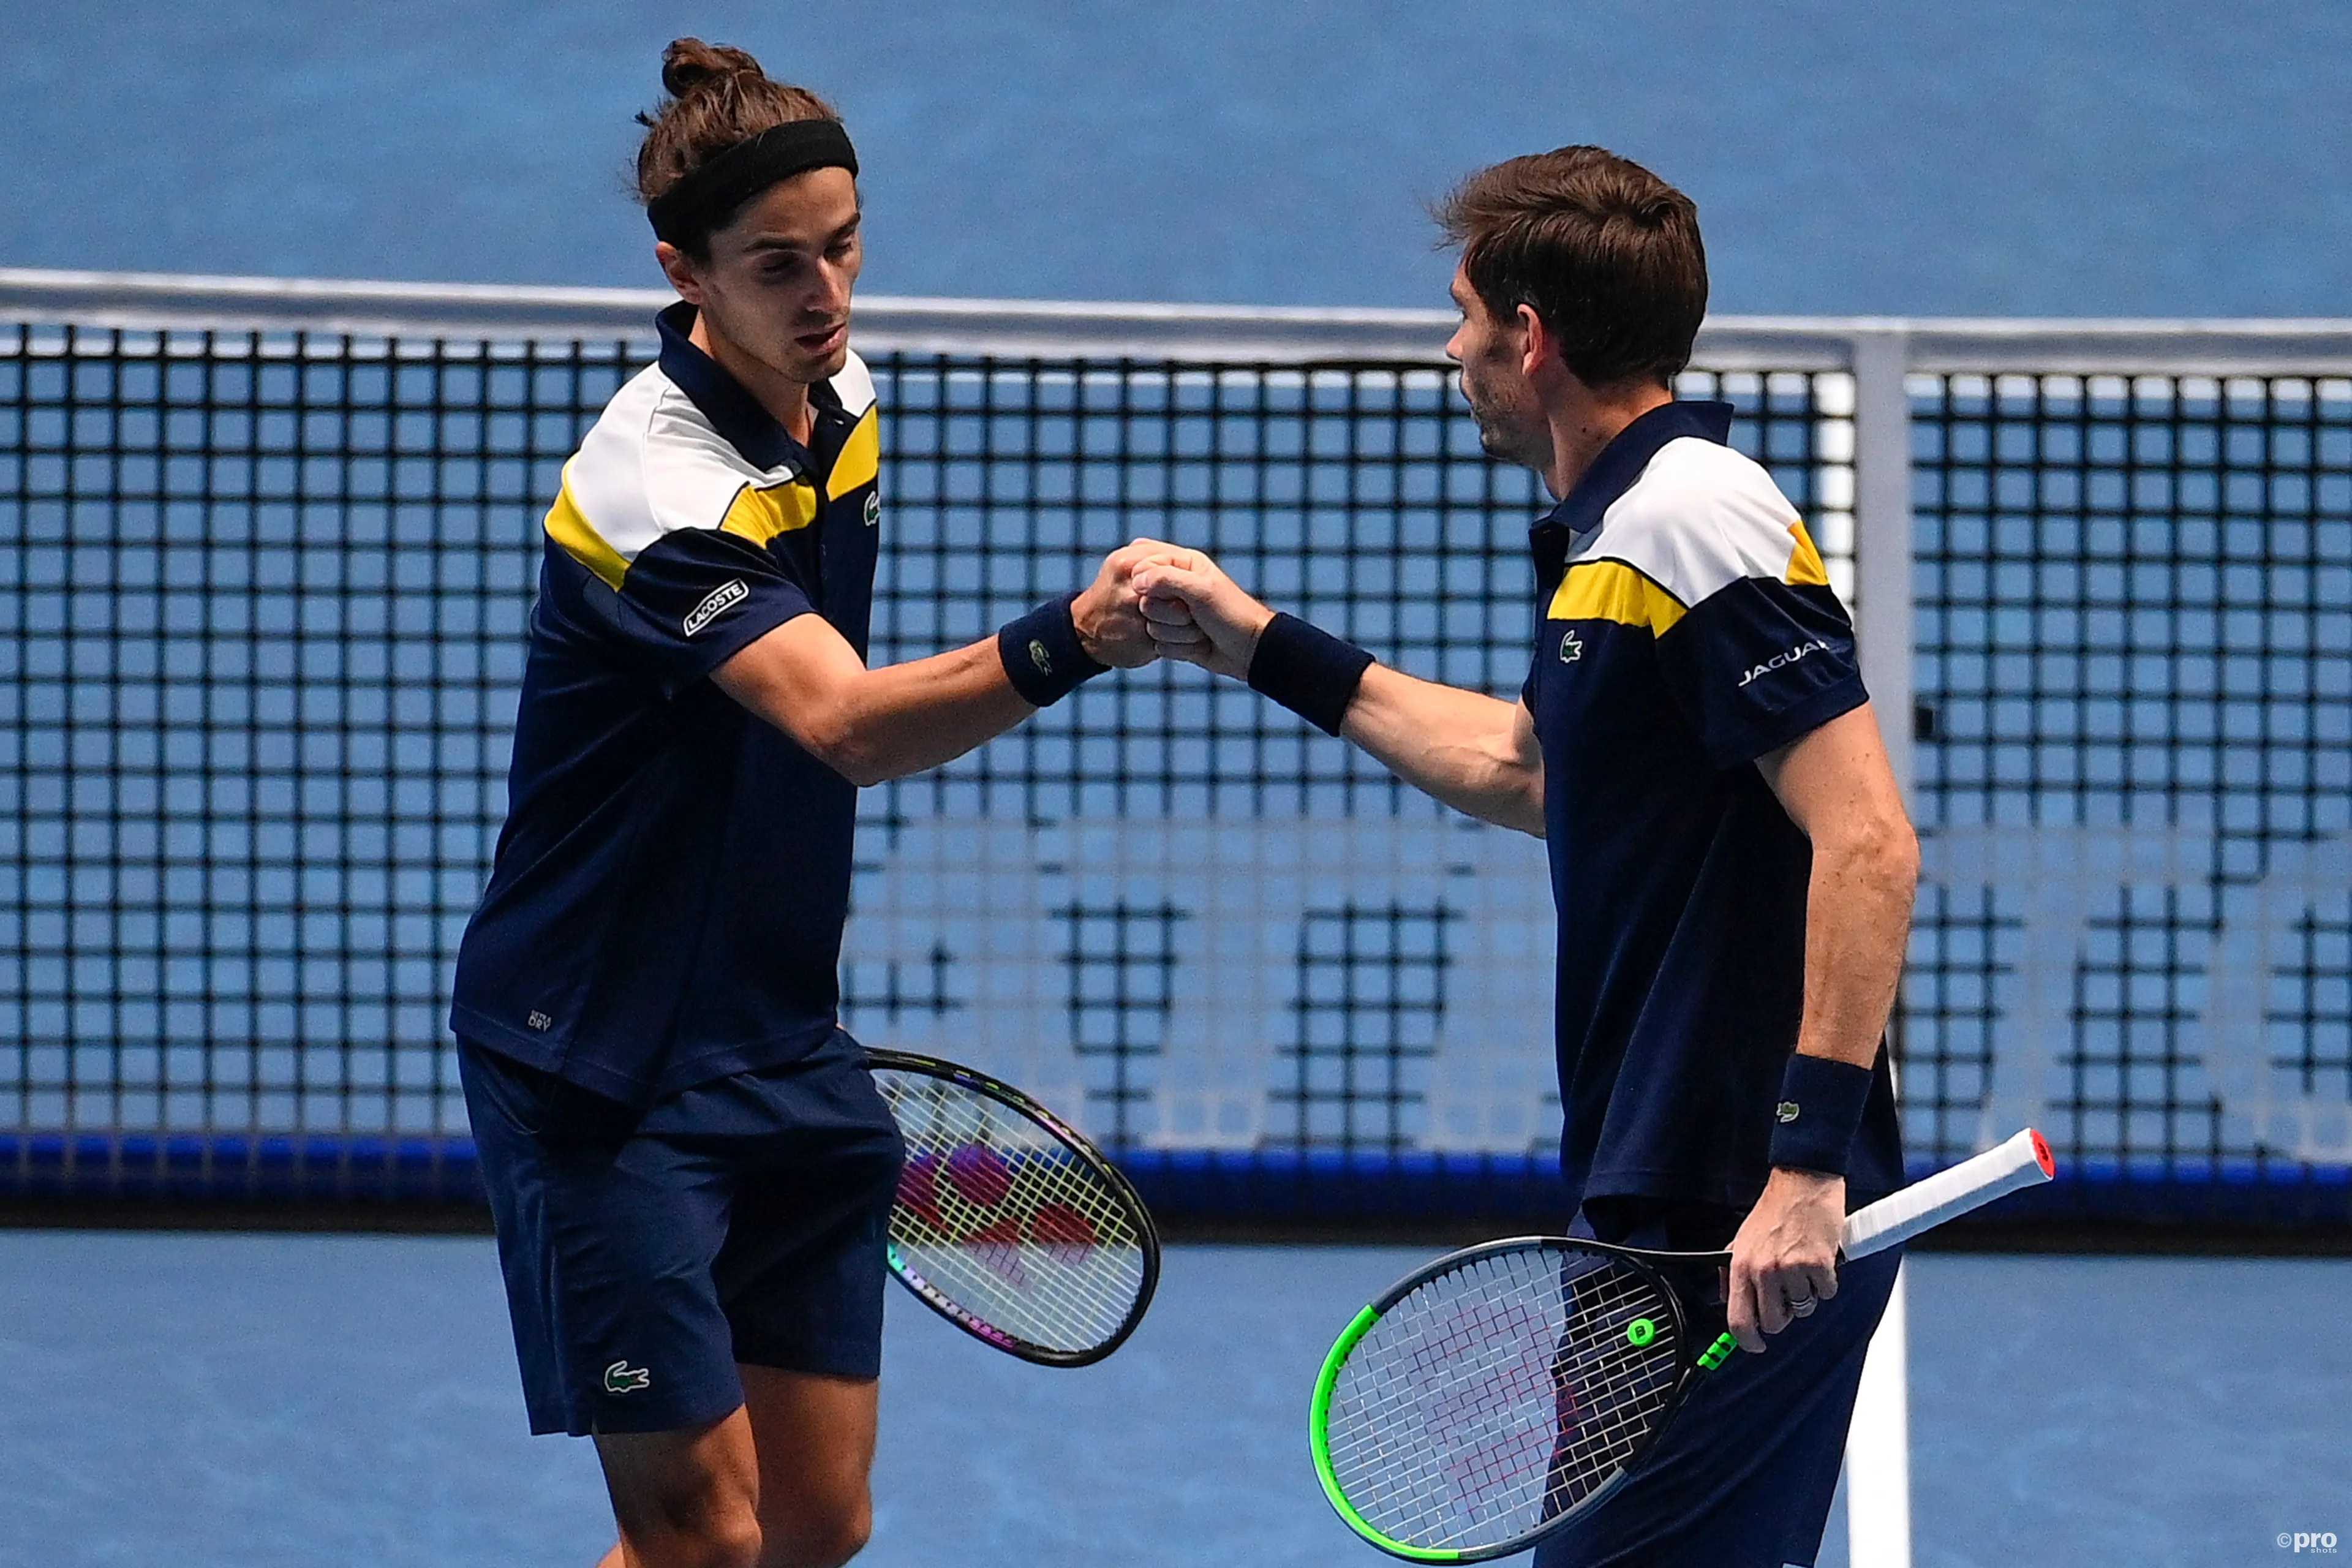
(1500, 1395)
(1003, 1223)
(1621, 1391)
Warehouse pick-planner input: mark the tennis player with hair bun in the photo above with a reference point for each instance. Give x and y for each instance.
(688, 1163)
(1730, 860)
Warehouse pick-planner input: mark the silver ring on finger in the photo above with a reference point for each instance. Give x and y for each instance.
(1804, 1309)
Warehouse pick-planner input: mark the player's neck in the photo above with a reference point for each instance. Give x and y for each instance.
(1584, 420)
(787, 401)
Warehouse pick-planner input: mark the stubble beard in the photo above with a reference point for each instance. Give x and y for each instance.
(812, 368)
(789, 362)
(1499, 435)
(826, 368)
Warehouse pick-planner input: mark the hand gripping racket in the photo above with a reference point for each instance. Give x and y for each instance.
(1009, 1224)
(1495, 1395)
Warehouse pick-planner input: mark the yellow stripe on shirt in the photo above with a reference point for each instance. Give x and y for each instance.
(860, 459)
(759, 515)
(569, 527)
(1805, 568)
(1613, 591)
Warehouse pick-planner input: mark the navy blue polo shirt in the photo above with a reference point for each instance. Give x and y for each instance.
(1688, 629)
(666, 900)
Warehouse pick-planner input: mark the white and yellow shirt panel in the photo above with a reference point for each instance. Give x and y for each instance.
(1700, 517)
(654, 464)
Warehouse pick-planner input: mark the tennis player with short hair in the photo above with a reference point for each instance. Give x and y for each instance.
(688, 1163)
(1730, 858)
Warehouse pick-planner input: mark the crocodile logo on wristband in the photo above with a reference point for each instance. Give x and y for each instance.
(1785, 1114)
(1040, 657)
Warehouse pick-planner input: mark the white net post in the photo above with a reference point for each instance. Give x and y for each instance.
(1878, 1448)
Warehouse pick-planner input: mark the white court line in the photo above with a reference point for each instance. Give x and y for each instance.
(1878, 1448)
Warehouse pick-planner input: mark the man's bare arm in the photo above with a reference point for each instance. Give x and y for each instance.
(1477, 754)
(869, 725)
(1837, 787)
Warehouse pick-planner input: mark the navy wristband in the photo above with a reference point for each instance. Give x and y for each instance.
(1819, 1113)
(1308, 670)
(1043, 655)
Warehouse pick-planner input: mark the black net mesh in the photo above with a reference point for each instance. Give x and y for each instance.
(266, 622)
(2135, 621)
(262, 645)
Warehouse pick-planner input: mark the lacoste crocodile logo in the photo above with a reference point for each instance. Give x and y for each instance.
(622, 1378)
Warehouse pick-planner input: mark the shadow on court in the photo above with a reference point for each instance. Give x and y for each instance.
(258, 1401)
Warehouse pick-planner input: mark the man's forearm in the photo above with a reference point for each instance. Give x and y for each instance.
(1468, 750)
(1837, 787)
(1477, 754)
(869, 725)
(1857, 921)
(1857, 926)
(908, 718)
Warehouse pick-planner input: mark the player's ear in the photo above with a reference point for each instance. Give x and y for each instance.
(1535, 339)
(679, 268)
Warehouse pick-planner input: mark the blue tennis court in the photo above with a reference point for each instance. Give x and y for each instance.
(249, 1401)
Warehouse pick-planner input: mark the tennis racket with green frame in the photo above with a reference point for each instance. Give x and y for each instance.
(1495, 1395)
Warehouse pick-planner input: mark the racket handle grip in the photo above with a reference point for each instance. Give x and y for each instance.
(2023, 1162)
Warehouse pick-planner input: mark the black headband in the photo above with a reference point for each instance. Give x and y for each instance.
(687, 213)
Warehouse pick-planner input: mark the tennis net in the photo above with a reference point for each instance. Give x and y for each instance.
(267, 588)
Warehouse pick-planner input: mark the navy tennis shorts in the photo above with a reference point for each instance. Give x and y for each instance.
(1744, 1475)
(740, 1221)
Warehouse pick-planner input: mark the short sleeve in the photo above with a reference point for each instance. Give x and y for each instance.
(695, 598)
(1759, 663)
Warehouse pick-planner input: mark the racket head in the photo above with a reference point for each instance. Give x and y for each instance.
(1495, 1394)
(1008, 1221)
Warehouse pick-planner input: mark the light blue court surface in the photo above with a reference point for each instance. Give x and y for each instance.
(257, 1400)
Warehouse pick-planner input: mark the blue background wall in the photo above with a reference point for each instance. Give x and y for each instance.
(2107, 157)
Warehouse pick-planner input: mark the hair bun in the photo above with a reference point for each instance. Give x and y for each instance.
(717, 97)
(690, 63)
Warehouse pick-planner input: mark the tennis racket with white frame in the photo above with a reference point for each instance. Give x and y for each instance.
(1495, 1395)
(1009, 1224)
